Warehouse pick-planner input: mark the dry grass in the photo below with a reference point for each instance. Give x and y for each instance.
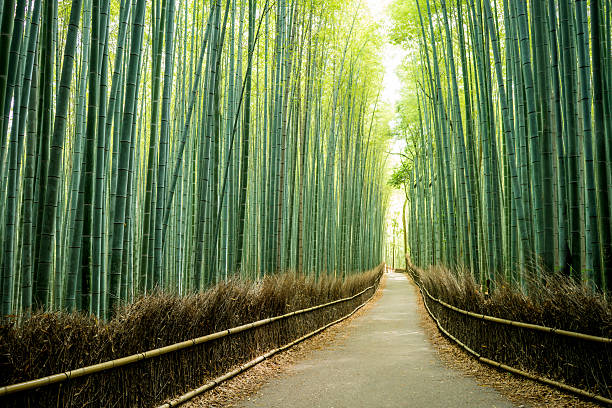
(519, 390)
(232, 392)
(553, 301)
(50, 343)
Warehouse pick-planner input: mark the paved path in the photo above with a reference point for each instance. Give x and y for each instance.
(385, 361)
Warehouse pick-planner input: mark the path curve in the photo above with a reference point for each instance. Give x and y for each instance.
(384, 361)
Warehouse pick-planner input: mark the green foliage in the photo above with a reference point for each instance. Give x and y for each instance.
(173, 144)
(509, 150)
(401, 175)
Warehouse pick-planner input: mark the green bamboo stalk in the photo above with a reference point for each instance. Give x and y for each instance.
(42, 295)
(124, 154)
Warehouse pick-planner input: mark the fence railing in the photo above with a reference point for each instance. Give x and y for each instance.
(211, 384)
(514, 323)
(112, 364)
(414, 272)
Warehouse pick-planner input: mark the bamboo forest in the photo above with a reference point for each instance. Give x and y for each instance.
(171, 145)
(508, 127)
(191, 187)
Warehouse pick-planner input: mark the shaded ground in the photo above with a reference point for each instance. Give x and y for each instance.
(386, 360)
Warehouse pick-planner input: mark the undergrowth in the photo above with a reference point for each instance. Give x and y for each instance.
(548, 299)
(545, 299)
(50, 343)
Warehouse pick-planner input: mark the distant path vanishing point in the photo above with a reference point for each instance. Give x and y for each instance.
(384, 361)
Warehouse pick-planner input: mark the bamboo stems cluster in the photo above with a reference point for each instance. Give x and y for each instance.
(173, 144)
(510, 163)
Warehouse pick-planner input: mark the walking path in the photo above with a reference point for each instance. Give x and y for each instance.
(385, 361)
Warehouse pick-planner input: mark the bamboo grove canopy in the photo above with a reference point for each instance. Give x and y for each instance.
(510, 148)
(173, 144)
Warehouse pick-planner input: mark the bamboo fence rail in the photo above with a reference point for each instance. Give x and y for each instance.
(108, 365)
(530, 326)
(505, 367)
(499, 320)
(211, 384)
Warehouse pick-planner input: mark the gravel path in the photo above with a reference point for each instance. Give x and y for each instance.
(384, 361)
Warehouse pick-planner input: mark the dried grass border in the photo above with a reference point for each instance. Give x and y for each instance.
(56, 342)
(560, 303)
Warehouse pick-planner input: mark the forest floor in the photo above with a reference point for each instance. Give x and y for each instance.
(388, 355)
